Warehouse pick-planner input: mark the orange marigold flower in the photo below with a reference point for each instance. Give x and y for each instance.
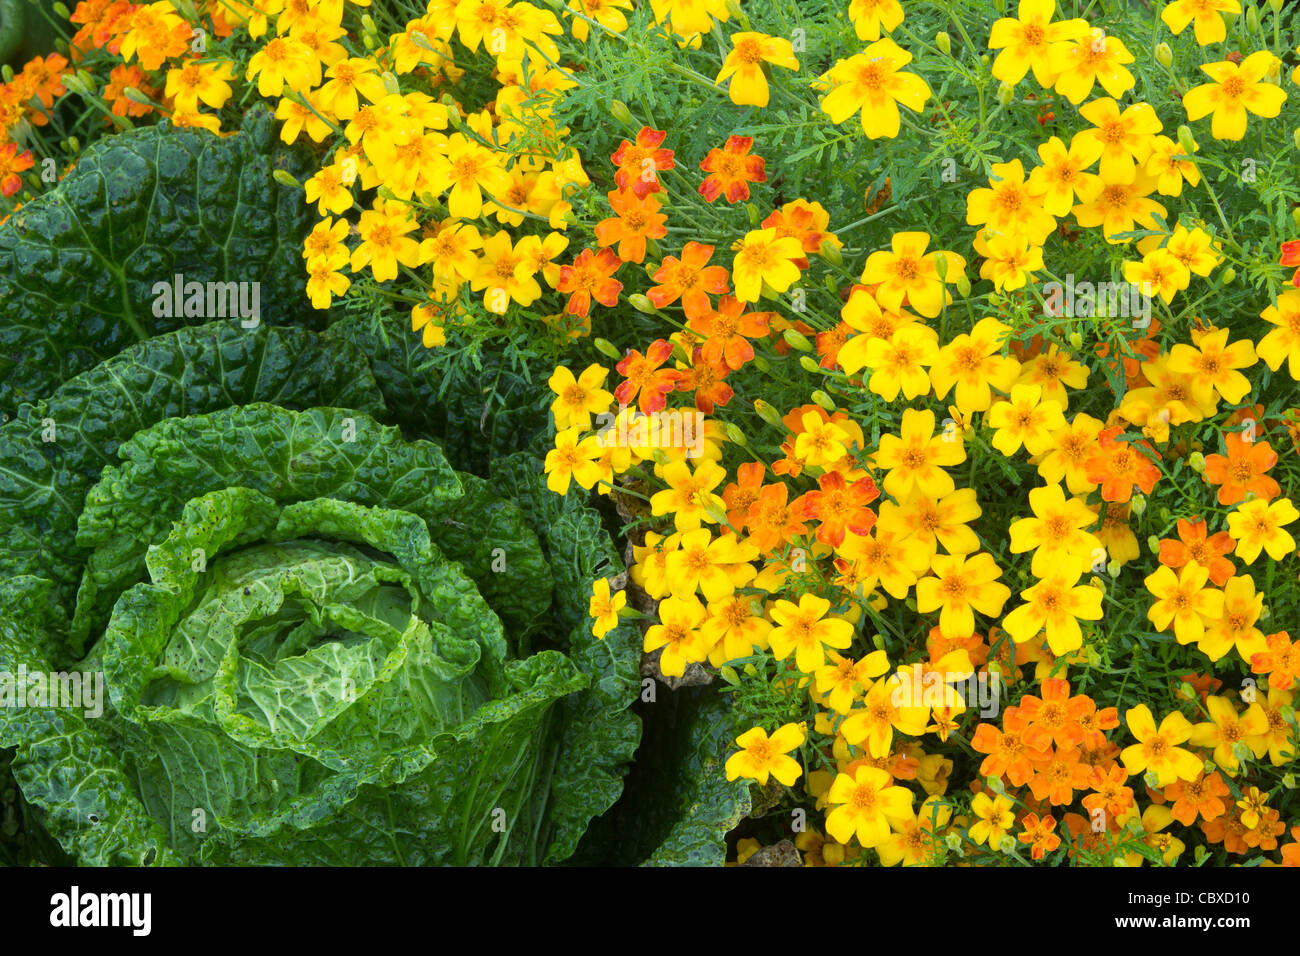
(743, 492)
(727, 331)
(1118, 466)
(689, 278)
(830, 343)
(121, 77)
(1208, 552)
(1202, 796)
(1012, 750)
(1109, 795)
(840, 506)
(590, 277)
(1057, 777)
(1038, 833)
(645, 379)
(635, 220)
(1281, 662)
(705, 379)
(12, 163)
(1057, 712)
(773, 519)
(731, 170)
(639, 163)
(43, 77)
(1242, 470)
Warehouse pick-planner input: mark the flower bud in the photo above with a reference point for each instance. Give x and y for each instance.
(1153, 543)
(735, 435)
(831, 252)
(796, 341)
(131, 93)
(391, 86)
(1164, 55)
(984, 59)
(943, 42)
(1186, 140)
(1228, 276)
(1076, 339)
(1097, 583)
(7, 73)
(1252, 18)
(962, 283)
(641, 303)
(618, 109)
(62, 11)
(767, 412)
(285, 178)
(941, 266)
(1295, 213)
(994, 785)
(608, 349)
(754, 217)
(809, 364)
(1196, 461)
(1114, 568)
(762, 364)
(1276, 5)
(1006, 94)
(1138, 505)
(824, 400)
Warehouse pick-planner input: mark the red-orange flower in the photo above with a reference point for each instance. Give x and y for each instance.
(12, 163)
(727, 331)
(743, 492)
(731, 170)
(1118, 467)
(1038, 832)
(1013, 750)
(1057, 712)
(1059, 775)
(645, 379)
(829, 344)
(772, 518)
(119, 78)
(840, 507)
(43, 78)
(705, 379)
(1203, 796)
(1291, 258)
(1208, 552)
(1109, 795)
(639, 163)
(689, 278)
(634, 221)
(590, 277)
(1242, 470)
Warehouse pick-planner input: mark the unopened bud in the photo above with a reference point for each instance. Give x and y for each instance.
(1252, 18)
(943, 42)
(608, 349)
(1276, 5)
(824, 400)
(62, 11)
(830, 252)
(391, 86)
(618, 109)
(767, 412)
(1164, 55)
(641, 303)
(941, 266)
(797, 341)
(762, 364)
(285, 178)
(1076, 339)
(809, 364)
(1295, 213)
(1006, 94)
(752, 211)
(368, 23)
(1186, 140)
(1196, 461)
(734, 434)
(1138, 505)
(1153, 544)
(1114, 568)
(1228, 277)
(962, 283)
(384, 192)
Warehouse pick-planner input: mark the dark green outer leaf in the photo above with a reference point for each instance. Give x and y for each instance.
(78, 265)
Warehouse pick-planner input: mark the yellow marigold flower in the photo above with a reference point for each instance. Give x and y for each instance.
(1158, 273)
(1052, 370)
(284, 61)
(326, 239)
(1157, 751)
(690, 17)
(996, 816)
(1125, 138)
(1184, 601)
(822, 442)
(1203, 14)
(1170, 171)
(743, 65)
(934, 521)
(324, 281)
(804, 629)
(1237, 89)
(1068, 459)
(908, 272)
(450, 251)
(763, 257)
(870, 17)
(916, 457)
(1121, 207)
(196, 82)
(1027, 418)
(914, 841)
(972, 363)
(678, 634)
(689, 495)
(577, 399)
(890, 704)
(842, 680)
(872, 83)
(604, 609)
(1283, 343)
(734, 629)
(1055, 533)
(1093, 58)
(867, 803)
(1055, 605)
(1226, 730)
(1010, 205)
(1062, 175)
(1026, 41)
(423, 316)
(961, 585)
(1010, 261)
(384, 240)
(327, 189)
(503, 276)
(761, 755)
(572, 458)
(467, 169)
(608, 13)
(1213, 363)
(297, 117)
(898, 363)
(714, 566)
(346, 80)
(1236, 628)
(1256, 525)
